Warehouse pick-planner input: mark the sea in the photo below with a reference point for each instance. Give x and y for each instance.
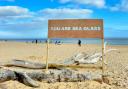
(110, 41)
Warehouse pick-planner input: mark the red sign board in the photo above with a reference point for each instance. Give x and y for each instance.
(75, 28)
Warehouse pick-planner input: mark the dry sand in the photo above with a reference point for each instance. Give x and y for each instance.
(117, 63)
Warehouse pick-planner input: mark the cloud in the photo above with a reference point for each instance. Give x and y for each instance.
(65, 13)
(16, 14)
(22, 30)
(122, 6)
(64, 1)
(10, 11)
(13, 14)
(97, 3)
(24, 23)
(114, 8)
(16, 22)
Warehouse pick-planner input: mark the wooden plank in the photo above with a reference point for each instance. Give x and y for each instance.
(75, 66)
(75, 34)
(75, 28)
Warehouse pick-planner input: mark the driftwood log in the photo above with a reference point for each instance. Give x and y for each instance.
(84, 58)
(57, 73)
(64, 75)
(23, 64)
(33, 65)
(6, 75)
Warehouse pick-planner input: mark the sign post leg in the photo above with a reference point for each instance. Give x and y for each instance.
(103, 66)
(47, 55)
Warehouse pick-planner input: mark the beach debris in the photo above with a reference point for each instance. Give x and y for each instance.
(22, 77)
(6, 75)
(33, 65)
(54, 75)
(23, 63)
(84, 58)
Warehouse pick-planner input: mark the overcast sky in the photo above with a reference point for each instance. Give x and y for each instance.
(28, 18)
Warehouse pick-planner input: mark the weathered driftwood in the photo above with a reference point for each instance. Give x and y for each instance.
(64, 75)
(23, 63)
(6, 75)
(33, 65)
(83, 58)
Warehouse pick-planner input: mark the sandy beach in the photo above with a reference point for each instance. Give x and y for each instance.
(117, 63)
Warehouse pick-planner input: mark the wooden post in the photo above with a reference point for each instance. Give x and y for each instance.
(47, 55)
(103, 66)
